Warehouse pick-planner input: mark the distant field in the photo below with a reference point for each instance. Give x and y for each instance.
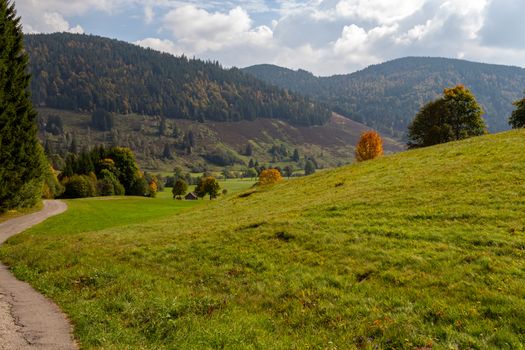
(419, 250)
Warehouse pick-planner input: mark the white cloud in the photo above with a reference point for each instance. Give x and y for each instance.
(324, 36)
(161, 45)
(384, 12)
(204, 30)
(149, 15)
(50, 15)
(52, 22)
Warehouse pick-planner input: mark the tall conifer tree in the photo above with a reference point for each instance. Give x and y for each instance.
(22, 162)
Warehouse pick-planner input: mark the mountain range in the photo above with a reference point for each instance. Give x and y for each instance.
(227, 109)
(387, 96)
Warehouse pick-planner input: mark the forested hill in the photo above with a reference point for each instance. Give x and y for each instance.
(388, 95)
(82, 72)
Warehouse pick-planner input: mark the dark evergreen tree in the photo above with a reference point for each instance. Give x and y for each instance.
(162, 126)
(55, 125)
(73, 147)
(166, 153)
(295, 156)
(249, 150)
(22, 160)
(102, 120)
(191, 139)
(175, 132)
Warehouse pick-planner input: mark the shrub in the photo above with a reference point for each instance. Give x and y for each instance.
(370, 146)
(108, 184)
(52, 187)
(79, 186)
(139, 187)
(223, 158)
(309, 167)
(152, 189)
(269, 176)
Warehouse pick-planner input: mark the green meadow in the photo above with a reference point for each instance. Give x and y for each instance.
(423, 249)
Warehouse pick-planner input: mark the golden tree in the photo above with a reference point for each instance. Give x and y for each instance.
(370, 146)
(269, 176)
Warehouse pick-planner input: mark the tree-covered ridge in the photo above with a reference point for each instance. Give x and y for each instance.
(388, 95)
(83, 73)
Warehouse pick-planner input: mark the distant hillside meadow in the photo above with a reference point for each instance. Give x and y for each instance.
(387, 96)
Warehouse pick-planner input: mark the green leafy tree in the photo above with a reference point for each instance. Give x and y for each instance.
(22, 160)
(250, 173)
(455, 116)
(309, 167)
(179, 188)
(288, 171)
(208, 186)
(517, 119)
(128, 171)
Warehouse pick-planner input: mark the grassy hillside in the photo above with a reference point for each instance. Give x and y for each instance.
(331, 144)
(387, 96)
(423, 249)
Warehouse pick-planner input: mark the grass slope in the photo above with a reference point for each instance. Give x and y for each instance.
(424, 249)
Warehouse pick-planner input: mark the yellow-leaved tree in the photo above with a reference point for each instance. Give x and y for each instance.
(370, 146)
(269, 176)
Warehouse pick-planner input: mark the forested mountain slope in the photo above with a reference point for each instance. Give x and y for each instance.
(388, 95)
(82, 73)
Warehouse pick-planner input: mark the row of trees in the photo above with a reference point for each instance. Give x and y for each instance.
(105, 172)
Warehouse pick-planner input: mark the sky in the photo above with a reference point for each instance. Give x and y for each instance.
(325, 37)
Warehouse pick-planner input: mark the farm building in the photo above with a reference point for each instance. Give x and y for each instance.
(191, 196)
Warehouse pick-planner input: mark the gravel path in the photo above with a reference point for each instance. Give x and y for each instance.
(28, 320)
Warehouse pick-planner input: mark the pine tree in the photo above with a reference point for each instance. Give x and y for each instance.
(22, 161)
(162, 126)
(295, 156)
(166, 153)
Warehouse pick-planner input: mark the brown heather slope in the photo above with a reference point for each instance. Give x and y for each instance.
(331, 144)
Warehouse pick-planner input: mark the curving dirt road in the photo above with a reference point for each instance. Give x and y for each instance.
(28, 320)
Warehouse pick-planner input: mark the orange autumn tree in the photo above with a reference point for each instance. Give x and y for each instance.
(269, 176)
(370, 146)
